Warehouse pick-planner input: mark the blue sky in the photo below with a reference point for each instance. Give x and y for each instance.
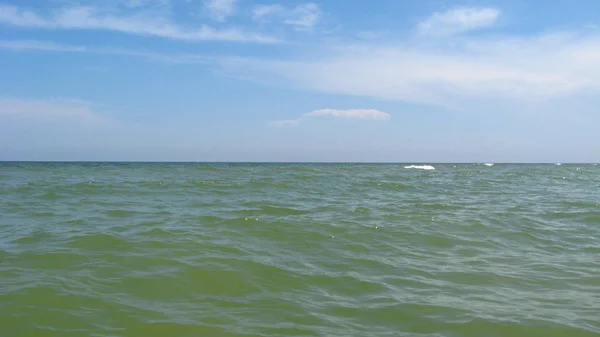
(356, 80)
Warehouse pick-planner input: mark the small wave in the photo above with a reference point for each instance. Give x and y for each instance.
(390, 186)
(207, 168)
(271, 210)
(206, 182)
(420, 167)
(489, 164)
(120, 213)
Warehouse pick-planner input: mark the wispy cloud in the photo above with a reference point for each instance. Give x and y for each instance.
(460, 71)
(302, 17)
(261, 12)
(458, 21)
(90, 18)
(366, 114)
(146, 3)
(24, 45)
(49, 110)
(220, 9)
(485, 72)
(457, 72)
(48, 46)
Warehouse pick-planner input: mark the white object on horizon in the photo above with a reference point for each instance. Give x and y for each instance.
(489, 164)
(420, 167)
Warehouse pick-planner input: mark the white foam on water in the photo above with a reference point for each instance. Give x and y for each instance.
(489, 164)
(420, 167)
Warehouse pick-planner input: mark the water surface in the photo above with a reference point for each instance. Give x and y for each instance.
(185, 249)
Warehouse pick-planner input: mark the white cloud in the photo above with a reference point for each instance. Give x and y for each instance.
(262, 11)
(352, 113)
(146, 3)
(33, 45)
(220, 9)
(459, 72)
(48, 110)
(285, 122)
(368, 114)
(12, 15)
(458, 20)
(484, 72)
(302, 17)
(92, 19)
(49, 46)
(23, 45)
(456, 72)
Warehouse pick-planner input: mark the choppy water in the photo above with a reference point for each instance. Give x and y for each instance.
(101, 249)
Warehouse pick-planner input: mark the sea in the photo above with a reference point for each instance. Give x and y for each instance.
(299, 249)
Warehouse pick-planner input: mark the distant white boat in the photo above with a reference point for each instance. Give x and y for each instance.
(489, 164)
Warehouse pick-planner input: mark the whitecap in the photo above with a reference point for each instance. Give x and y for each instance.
(420, 167)
(489, 164)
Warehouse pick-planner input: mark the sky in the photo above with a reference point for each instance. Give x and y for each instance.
(330, 80)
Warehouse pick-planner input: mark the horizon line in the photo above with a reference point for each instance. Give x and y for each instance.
(291, 162)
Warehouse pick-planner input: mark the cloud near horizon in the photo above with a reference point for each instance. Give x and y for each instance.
(50, 111)
(57, 108)
(366, 114)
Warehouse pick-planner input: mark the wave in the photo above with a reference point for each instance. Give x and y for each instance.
(420, 167)
(346, 250)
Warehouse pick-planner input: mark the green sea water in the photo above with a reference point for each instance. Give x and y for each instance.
(191, 249)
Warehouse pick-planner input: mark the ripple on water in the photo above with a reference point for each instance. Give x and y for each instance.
(132, 249)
